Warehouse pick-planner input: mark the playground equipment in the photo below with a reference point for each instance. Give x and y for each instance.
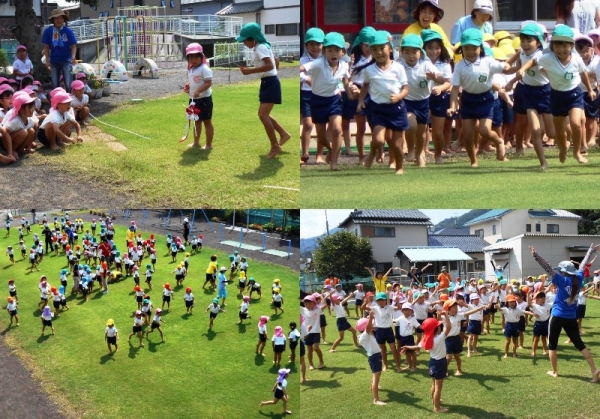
(145, 67)
(114, 70)
(87, 69)
(251, 242)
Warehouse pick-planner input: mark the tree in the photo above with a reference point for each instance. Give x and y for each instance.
(29, 33)
(344, 254)
(589, 222)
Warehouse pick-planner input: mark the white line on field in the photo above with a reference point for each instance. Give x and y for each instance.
(282, 187)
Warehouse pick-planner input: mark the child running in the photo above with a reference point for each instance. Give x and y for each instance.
(188, 297)
(262, 335)
(156, 321)
(244, 309)
(47, 316)
(215, 309)
(341, 321)
(11, 307)
(111, 335)
(280, 389)
(137, 327)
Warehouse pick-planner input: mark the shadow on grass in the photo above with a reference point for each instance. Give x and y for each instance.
(259, 360)
(107, 357)
(133, 350)
(266, 169)
(43, 338)
(5, 331)
(321, 384)
(193, 155)
(241, 328)
(472, 412)
(341, 370)
(483, 378)
(152, 345)
(185, 316)
(404, 397)
(210, 334)
(273, 415)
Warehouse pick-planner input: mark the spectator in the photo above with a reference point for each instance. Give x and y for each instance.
(59, 40)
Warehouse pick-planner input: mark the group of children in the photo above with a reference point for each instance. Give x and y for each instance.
(531, 86)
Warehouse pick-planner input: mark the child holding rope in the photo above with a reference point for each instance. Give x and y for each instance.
(199, 89)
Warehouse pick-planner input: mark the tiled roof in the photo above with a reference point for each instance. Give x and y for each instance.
(390, 217)
(553, 213)
(239, 8)
(467, 243)
(452, 231)
(509, 243)
(433, 254)
(488, 216)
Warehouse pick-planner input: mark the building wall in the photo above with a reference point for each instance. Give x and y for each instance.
(104, 5)
(281, 3)
(280, 16)
(9, 11)
(206, 8)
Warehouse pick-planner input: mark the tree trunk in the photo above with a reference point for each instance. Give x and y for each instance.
(29, 33)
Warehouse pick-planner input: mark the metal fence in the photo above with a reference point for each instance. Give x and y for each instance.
(10, 48)
(229, 53)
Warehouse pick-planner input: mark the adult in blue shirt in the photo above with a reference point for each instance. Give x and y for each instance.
(480, 18)
(568, 283)
(59, 40)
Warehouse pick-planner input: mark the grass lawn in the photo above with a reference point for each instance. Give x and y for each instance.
(491, 387)
(195, 373)
(513, 184)
(162, 171)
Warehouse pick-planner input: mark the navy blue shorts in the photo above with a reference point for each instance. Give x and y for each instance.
(305, 103)
(358, 303)
(522, 324)
(342, 324)
(476, 106)
(41, 136)
(302, 348)
(474, 327)
(389, 115)
(205, 105)
(511, 330)
(581, 311)
(438, 105)
(562, 102)
(312, 338)
(321, 107)
(537, 98)
(322, 320)
(349, 107)
(438, 368)
(270, 90)
(540, 328)
(463, 326)
(376, 362)
(518, 104)
(420, 108)
(418, 329)
(454, 345)
(508, 114)
(486, 311)
(406, 341)
(591, 108)
(497, 116)
(385, 335)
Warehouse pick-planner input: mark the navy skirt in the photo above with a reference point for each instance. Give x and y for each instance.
(474, 327)
(305, 103)
(540, 328)
(511, 330)
(342, 324)
(508, 114)
(438, 368)
(476, 106)
(518, 104)
(591, 107)
(497, 116)
(321, 107)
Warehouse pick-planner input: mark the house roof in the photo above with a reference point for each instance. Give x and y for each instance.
(490, 215)
(452, 231)
(509, 243)
(195, 1)
(390, 217)
(467, 243)
(433, 254)
(239, 8)
(541, 213)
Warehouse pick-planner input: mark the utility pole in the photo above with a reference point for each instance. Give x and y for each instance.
(326, 223)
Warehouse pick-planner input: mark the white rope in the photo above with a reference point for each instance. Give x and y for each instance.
(282, 187)
(122, 129)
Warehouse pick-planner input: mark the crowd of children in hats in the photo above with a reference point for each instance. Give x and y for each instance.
(444, 316)
(92, 255)
(527, 90)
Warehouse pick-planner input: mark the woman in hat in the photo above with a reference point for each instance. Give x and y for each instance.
(427, 14)
(22, 66)
(60, 47)
(280, 391)
(480, 18)
(266, 65)
(111, 335)
(223, 281)
(313, 46)
(215, 309)
(568, 282)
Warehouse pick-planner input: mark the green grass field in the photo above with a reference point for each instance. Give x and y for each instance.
(162, 171)
(514, 184)
(195, 373)
(491, 387)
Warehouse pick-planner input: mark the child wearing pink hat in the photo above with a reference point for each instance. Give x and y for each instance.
(244, 309)
(156, 321)
(359, 296)
(138, 321)
(20, 125)
(199, 89)
(47, 319)
(22, 66)
(311, 313)
(262, 335)
(406, 324)
(367, 340)
(55, 131)
(341, 321)
(280, 391)
(12, 310)
(278, 343)
(79, 101)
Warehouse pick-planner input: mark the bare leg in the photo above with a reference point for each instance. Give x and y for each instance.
(263, 114)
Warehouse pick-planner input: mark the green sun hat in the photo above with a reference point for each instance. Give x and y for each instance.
(429, 35)
(411, 41)
(381, 296)
(364, 36)
(380, 38)
(533, 29)
(471, 37)
(314, 35)
(563, 33)
(334, 39)
(249, 30)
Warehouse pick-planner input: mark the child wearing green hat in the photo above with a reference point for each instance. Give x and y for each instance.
(328, 75)
(387, 86)
(474, 74)
(313, 46)
(215, 309)
(266, 65)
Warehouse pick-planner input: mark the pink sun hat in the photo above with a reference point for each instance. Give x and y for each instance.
(19, 99)
(6, 87)
(60, 97)
(278, 331)
(194, 48)
(77, 84)
(361, 325)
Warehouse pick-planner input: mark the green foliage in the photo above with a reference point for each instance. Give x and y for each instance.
(589, 222)
(459, 222)
(3, 59)
(240, 216)
(344, 254)
(269, 226)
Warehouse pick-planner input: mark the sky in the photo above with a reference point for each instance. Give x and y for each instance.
(312, 222)
(63, 3)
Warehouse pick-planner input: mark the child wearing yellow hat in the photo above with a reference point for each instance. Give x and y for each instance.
(277, 301)
(111, 335)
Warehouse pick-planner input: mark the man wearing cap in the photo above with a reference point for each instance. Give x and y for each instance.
(186, 230)
(480, 18)
(60, 47)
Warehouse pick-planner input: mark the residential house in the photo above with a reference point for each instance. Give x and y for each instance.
(106, 8)
(471, 245)
(202, 7)
(7, 16)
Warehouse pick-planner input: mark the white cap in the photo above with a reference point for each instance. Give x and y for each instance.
(484, 6)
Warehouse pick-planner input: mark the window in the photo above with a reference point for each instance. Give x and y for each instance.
(286, 29)
(383, 267)
(552, 228)
(480, 265)
(138, 2)
(479, 233)
(344, 12)
(386, 11)
(385, 232)
(494, 229)
(172, 4)
(269, 29)
(528, 228)
(538, 228)
(112, 4)
(162, 3)
(519, 10)
(454, 265)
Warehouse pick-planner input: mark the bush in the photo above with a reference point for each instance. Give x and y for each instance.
(3, 59)
(215, 219)
(269, 226)
(240, 216)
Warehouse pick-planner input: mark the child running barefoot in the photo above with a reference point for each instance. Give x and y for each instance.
(293, 337)
(12, 289)
(266, 65)
(280, 389)
(156, 321)
(200, 92)
(111, 335)
(12, 310)
(434, 342)
(386, 83)
(215, 309)
(367, 340)
(540, 309)
(341, 321)
(188, 297)
(167, 296)
(474, 74)
(278, 343)
(138, 321)
(512, 314)
(262, 335)
(244, 309)
(47, 319)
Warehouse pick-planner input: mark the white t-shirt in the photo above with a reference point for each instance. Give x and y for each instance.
(407, 326)
(262, 329)
(167, 293)
(359, 295)
(214, 309)
(475, 316)
(55, 117)
(16, 123)
(444, 69)
(383, 316)
(156, 319)
(244, 307)
(305, 59)
(197, 76)
(534, 76)
(339, 311)
(476, 77)
(455, 324)
(311, 318)
(591, 69)
(277, 297)
(278, 340)
(188, 297)
(85, 99)
(420, 310)
(510, 315)
(11, 306)
(261, 51)
(369, 343)
(111, 332)
(325, 82)
(137, 321)
(358, 78)
(542, 311)
(581, 298)
(550, 297)
(383, 83)
(294, 335)
(22, 66)
(562, 77)
(419, 86)
(439, 347)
